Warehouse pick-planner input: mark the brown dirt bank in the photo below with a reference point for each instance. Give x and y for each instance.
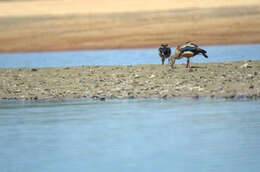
(205, 26)
(63, 7)
(227, 80)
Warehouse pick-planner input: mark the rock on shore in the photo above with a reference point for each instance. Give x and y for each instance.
(225, 80)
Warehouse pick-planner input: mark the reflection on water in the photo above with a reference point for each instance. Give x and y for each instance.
(122, 57)
(130, 135)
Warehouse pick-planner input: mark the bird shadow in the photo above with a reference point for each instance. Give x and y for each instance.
(197, 67)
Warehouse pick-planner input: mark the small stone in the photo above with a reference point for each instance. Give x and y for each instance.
(94, 97)
(17, 91)
(246, 65)
(195, 96)
(164, 96)
(251, 87)
(231, 96)
(99, 91)
(151, 76)
(131, 97)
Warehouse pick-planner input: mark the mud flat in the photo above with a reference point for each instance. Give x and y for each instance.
(223, 80)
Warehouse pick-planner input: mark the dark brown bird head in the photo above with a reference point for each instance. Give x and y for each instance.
(164, 45)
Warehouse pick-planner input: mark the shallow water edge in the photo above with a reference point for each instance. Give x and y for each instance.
(216, 53)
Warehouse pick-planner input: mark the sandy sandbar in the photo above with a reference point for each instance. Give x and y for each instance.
(224, 80)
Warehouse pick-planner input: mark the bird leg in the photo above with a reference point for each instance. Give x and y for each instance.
(162, 57)
(172, 61)
(188, 63)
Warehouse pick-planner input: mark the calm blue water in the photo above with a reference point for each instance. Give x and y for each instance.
(122, 57)
(181, 135)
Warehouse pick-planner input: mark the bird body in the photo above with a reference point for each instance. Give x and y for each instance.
(164, 52)
(188, 50)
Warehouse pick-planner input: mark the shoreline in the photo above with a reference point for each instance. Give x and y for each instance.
(228, 80)
(84, 99)
(121, 48)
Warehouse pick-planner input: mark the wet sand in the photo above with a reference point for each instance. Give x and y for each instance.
(222, 80)
(147, 27)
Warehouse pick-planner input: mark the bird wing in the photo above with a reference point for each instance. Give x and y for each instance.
(167, 52)
(191, 44)
(188, 48)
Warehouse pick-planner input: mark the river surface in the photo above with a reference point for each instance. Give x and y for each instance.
(122, 57)
(141, 135)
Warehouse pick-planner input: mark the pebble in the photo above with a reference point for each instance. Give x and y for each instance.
(251, 87)
(152, 76)
(246, 65)
(34, 69)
